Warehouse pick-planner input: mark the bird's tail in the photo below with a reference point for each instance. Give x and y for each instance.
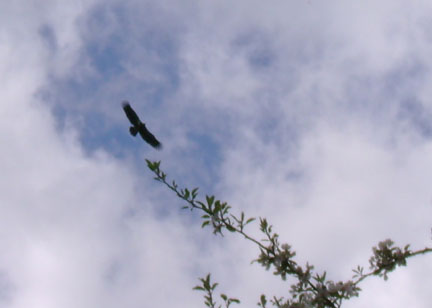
(133, 130)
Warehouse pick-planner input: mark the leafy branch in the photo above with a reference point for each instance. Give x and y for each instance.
(208, 287)
(311, 290)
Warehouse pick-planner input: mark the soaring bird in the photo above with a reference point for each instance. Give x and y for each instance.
(139, 127)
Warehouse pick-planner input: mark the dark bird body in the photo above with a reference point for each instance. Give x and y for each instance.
(139, 127)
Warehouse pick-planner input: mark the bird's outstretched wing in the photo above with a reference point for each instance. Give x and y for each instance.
(149, 137)
(131, 114)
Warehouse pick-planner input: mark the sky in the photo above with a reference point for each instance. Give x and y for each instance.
(314, 114)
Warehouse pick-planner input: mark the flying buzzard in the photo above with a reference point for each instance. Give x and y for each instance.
(139, 127)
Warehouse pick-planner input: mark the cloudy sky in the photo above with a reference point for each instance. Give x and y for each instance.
(314, 114)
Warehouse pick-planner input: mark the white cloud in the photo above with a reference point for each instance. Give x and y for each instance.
(68, 238)
(320, 111)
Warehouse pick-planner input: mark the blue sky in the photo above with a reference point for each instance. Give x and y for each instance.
(314, 115)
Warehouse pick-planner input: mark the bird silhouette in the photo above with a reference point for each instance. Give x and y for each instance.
(139, 127)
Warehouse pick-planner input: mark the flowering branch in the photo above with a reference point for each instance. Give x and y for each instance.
(311, 290)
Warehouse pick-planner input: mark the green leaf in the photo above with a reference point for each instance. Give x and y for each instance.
(217, 206)
(186, 193)
(200, 203)
(150, 165)
(210, 200)
(249, 220)
(205, 223)
(263, 300)
(206, 282)
(230, 228)
(263, 224)
(153, 166)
